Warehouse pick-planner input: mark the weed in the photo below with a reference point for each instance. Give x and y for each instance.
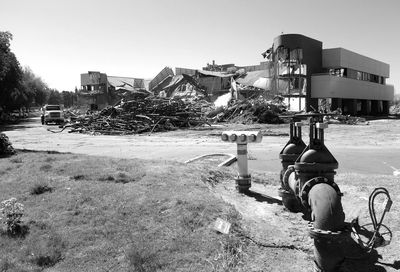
(79, 177)
(53, 152)
(123, 178)
(38, 224)
(194, 218)
(214, 177)
(16, 160)
(142, 257)
(45, 167)
(107, 178)
(45, 249)
(230, 257)
(49, 159)
(39, 188)
(6, 264)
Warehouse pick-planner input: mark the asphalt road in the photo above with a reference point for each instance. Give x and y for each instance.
(365, 149)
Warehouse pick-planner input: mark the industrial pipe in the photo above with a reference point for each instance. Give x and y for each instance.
(311, 181)
(290, 152)
(328, 220)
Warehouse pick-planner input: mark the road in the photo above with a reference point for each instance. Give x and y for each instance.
(364, 149)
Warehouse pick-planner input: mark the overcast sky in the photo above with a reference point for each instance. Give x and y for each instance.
(60, 39)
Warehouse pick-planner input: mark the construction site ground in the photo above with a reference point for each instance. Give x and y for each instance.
(363, 149)
(368, 156)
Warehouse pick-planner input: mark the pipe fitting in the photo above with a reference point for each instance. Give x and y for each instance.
(289, 190)
(242, 138)
(328, 219)
(285, 178)
(306, 188)
(243, 184)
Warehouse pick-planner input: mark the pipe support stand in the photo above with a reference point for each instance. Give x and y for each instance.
(242, 160)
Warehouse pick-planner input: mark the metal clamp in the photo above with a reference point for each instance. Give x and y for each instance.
(305, 190)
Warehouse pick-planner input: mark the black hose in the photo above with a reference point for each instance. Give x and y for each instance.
(376, 225)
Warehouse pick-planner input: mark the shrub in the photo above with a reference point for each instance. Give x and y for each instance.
(142, 257)
(11, 213)
(38, 189)
(45, 249)
(6, 148)
(45, 167)
(79, 177)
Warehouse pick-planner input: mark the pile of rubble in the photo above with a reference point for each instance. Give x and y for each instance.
(258, 110)
(150, 114)
(395, 109)
(346, 119)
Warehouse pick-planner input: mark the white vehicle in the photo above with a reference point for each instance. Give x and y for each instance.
(52, 114)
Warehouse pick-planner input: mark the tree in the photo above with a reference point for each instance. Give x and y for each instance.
(37, 91)
(68, 98)
(12, 95)
(55, 97)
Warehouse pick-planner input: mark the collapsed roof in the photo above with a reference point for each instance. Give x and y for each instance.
(259, 79)
(183, 85)
(127, 83)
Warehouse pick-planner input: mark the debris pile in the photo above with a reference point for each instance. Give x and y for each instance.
(345, 119)
(150, 114)
(6, 148)
(395, 109)
(250, 111)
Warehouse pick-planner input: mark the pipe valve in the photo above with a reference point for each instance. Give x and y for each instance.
(321, 125)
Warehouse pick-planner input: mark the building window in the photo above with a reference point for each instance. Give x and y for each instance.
(359, 75)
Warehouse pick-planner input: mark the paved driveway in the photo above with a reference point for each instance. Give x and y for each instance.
(373, 148)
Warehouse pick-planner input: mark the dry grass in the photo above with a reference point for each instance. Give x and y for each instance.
(115, 215)
(132, 215)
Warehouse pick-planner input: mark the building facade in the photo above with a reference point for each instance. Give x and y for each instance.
(309, 77)
(99, 90)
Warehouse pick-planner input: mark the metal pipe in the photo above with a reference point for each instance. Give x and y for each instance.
(327, 215)
(242, 160)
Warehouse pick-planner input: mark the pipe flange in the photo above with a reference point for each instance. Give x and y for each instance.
(305, 190)
(327, 236)
(285, 179)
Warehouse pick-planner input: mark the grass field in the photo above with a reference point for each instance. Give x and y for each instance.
(87, 213)
(99, 214)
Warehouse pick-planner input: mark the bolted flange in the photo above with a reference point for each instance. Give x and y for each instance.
(305, 190)
(243, 184)
(326, 235)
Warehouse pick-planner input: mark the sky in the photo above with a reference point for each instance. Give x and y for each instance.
(61, 39)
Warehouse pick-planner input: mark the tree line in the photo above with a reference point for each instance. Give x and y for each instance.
(20, 87)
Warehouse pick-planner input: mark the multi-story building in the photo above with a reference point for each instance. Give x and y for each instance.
(309, 76)
(100, 90)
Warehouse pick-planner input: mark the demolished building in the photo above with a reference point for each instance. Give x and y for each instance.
(310, 77)
(99, 90)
